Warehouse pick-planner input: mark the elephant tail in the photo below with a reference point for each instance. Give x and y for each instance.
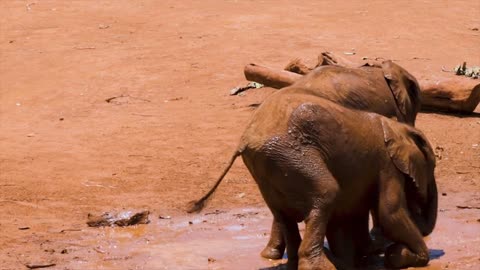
(197, 205)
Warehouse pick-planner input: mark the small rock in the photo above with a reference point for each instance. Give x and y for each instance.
(121, 219)
(61, 119)
(103, 26)
(31, 135)
(439, 152)
(164, 217)
(474, 29)
(241, 195)
(24, 228)
(29, 7)
(18, 104)
(211, 260)
(444, 194)
(64, 251)
(190, 223)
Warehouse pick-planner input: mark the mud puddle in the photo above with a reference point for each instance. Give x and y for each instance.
(233, 239)
(215, 240)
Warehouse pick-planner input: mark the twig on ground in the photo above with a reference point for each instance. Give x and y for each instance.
(36, 266)
(70, 230)
(23, 203)
(467, 207)
(99, 250)
(84, 48)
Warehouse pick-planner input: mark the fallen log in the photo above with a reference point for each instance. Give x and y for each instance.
(270, 77)
(455, 94)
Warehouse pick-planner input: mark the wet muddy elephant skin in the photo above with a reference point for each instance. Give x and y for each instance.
(318, 162)
(387, 89)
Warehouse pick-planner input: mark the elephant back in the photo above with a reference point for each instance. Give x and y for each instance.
(387, 90)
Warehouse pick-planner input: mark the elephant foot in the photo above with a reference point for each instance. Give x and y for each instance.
(273, 252)
(399, 256)
(323, 263)
(292, 264)
(323, 260)
(378, 242)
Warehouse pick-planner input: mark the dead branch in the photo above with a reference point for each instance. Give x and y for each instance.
(270, 77)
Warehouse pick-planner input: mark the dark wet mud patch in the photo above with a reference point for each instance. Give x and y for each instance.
(233, 239)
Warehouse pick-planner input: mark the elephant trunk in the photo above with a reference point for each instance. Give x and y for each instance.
(429, 213)
(427, 216)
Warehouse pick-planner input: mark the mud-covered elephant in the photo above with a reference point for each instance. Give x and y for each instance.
(386, 89)
(316, 161)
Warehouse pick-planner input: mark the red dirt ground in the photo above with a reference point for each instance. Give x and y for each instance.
(65, 152)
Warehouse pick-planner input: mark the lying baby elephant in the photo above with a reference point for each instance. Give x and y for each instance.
(386, 89)
(319, 162)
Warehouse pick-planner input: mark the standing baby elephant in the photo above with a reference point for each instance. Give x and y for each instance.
(319, 162)
(386, 89)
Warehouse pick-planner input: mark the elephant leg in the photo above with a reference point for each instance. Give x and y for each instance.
(311, 253)
(408, 249)
(340, 244)
(276, 245)
(361, 238)
(378, 240)
(289, 229)
(349, 241)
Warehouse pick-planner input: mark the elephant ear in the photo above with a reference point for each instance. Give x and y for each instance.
(405, 90)
(411, 153)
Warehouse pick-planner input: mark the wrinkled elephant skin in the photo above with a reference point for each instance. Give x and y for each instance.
(387, 89)
(318, 162)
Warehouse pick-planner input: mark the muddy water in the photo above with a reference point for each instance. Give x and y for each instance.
(233, 239)
(215, 240)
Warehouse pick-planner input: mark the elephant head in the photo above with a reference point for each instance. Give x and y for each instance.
(411, 153)
(405, 90)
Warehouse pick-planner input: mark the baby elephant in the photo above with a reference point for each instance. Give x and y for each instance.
(319, 162)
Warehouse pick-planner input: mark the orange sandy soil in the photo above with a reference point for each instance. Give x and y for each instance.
(66, 152)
